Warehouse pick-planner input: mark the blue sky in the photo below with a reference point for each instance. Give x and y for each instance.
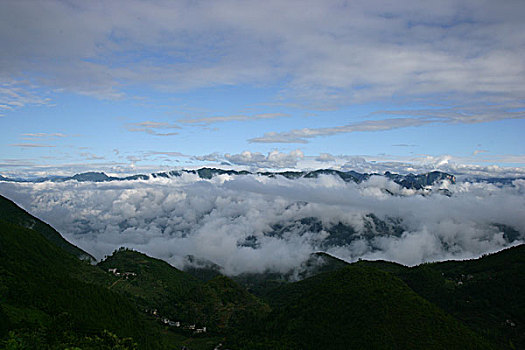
(126, 86)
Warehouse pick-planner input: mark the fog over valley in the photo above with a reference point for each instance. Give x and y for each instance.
(254, 223)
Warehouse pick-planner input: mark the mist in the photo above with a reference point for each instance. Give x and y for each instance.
(254, 223)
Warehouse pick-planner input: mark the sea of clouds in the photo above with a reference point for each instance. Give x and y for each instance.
(213, 219)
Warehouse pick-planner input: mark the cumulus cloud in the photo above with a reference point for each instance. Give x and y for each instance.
(274, 159)
(325, 157)
(461, 167)
(256, 223)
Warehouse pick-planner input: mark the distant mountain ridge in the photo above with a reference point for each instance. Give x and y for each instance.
(411, 181)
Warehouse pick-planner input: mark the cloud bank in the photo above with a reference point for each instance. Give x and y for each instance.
(334, 53)
(255, 223)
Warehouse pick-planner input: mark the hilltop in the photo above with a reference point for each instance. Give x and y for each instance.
(12, 213)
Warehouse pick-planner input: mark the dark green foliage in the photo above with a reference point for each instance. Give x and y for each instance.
(157, 284)
(4, 323)
(39, 291)
(358, 308)
(487, 294)
(261, 283)
(31, 339)
(10, 212)
(177, 295)
(223, 304)
(203, 273)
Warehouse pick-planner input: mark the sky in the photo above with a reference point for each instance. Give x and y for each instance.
(132, 86)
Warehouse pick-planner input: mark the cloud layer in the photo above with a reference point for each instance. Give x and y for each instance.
(331, 53)
(253, 223)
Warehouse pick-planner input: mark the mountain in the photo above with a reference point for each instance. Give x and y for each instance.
(90, 176)
(487, 294)
(355, 308)
(50, 299)
(410, 181)
(418, 182)
(346, 176)
(46, 300)
(154, 284)
(10, 212)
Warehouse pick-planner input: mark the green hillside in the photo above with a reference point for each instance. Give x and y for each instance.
(357, 308)
(44, 303)
(487, 293)
(216, 304)
(223, 304)
(10, 212)
(156, 284)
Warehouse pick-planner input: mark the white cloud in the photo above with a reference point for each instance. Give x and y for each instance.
(166, 153)
(419, 117)
(19, 93)
(37, 135)
(219, 119)
(332, 54)
(462, 167)
(274, 159)
(300, 135)
(213, 157)
(91, 156)
(171, 218)
(325, 157)
(31, 145)
(151, 127)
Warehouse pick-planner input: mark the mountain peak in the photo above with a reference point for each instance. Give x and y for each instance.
(91, 176)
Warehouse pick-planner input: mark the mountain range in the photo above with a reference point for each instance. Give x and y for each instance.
(411, 181)
(414, 181)
(53, 297)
